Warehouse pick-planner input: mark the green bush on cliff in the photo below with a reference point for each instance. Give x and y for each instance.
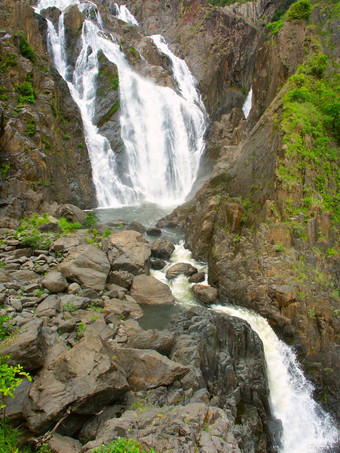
(311, 123)
(26, 49)
(26, 92)
(297, 12)
(122, 445)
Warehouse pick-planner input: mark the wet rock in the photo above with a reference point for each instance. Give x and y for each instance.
(180, 268)
(205, 294)
(150, 291)
(106, 114)
(162, 248)
(85, 378)
(154, 231)
(54, 281)
(128, 251)
(136, 226)
(122, 309)
(86, 265)
(197, 278)
(157, 264)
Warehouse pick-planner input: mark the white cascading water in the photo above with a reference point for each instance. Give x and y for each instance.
(307, 428)
(180, 286)
(248, 103)
(162, 130)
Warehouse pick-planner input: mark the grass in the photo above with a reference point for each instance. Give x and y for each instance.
(122, 445)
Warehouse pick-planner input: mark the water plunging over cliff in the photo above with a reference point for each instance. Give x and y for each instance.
(306, 426)
(162, 130)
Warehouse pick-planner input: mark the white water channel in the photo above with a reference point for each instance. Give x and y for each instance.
(162, 129)
(307, 428)
(248, 103)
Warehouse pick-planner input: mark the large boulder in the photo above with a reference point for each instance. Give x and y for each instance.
(27, 348)
(205, 294)
(128, 251)
(85, 379)
(86, 265)
(54, 281)
(150, 291)
(162, 248)
(147, 369)
(49, 307)
(70, 212)
(181, 268)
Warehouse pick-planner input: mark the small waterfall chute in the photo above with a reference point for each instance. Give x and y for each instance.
(248, 103)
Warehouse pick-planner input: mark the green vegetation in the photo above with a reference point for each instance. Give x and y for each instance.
(122, 445)
(106, 233)
(7, 60)
(91, 219)
(4, 169)
(67, 226)
(4, 327)
(3, 95)
(80, 330)
(30, 236)
(70, 307)
(134, 52)
(26, 92)
(109, 114)
(298, 11)
(311, 124)
(26, 49)
(31, 127)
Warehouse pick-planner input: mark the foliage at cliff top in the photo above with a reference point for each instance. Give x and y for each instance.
(297, 12)
(311, 126)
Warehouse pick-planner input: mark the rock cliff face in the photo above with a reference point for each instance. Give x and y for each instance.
(267, 248)
(43, 152)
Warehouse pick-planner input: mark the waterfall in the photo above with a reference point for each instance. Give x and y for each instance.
(247, 103)
(124, 14)
(306, 426)
(162, 130)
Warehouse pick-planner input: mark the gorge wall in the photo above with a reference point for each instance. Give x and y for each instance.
(267, 217)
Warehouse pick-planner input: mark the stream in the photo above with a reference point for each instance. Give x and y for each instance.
(163, 133)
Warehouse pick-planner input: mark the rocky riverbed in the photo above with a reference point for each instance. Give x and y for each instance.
(199, 385)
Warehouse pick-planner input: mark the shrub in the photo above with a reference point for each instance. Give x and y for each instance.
(299, 10)
(30, 127)
(66, 226)
(26, 92)
(90, 220)
(35, 240)
(26, 49)
(122, 445)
